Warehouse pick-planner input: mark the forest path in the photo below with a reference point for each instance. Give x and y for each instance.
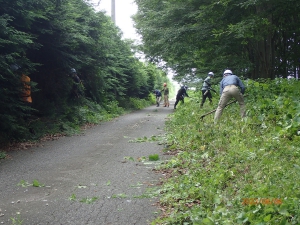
(94, 178)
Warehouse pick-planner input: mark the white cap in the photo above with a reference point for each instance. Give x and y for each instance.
(226, 72)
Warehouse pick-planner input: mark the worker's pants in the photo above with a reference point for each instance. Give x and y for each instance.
(206, 94)
(230, 91)
(166, 100)
(158, 98)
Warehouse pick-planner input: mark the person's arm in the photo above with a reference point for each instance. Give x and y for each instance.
(186, 94)
(221, 87)
(209, 85)
(76, 79)
(241, 85)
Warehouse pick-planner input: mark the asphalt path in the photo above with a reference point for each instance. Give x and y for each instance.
(100, 177)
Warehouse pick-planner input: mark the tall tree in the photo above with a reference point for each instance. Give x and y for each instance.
(213, 35)
(47, 39)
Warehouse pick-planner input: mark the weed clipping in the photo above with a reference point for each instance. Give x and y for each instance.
(240, 171)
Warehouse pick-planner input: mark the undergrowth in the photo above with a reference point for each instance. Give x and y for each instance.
(237, 171)
(69, 119)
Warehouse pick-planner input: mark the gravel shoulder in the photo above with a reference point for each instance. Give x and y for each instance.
(94, 178)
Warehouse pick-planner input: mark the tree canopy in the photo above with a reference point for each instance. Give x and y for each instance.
(256, 39)
(44, 39)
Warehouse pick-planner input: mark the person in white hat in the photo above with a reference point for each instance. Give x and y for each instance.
(230, 87)
(206, 88)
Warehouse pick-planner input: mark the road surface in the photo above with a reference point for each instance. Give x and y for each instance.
(96, 178)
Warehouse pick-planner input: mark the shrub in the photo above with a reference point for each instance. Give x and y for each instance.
(238, 171)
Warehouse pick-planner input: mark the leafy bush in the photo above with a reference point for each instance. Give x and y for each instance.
(70, 120)
(135, 103)
(33, 37)
(238, 171)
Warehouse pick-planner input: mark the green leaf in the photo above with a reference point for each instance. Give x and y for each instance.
(129, 158)
(267, 218)
(207, 221)
(283, 210)
(88, 200)
(154, 157)
(36, 183)
(23, 183)
(73, 197)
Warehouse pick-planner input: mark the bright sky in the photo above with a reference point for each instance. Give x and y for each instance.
(124, 10)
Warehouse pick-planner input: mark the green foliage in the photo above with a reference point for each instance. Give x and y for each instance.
(220, 169)
(122, 195)
(153, 138)
(129, 158)
(48, 38)
(69, 121)
(135, 103)
(88, 200)
(35, 183)
(13, 44)
(154, 157)
(258, 39)
(23, 183)
(16, 220)
(73, 197)
(2, 155)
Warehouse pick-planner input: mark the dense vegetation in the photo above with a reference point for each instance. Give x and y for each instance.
(238, 171)
(255, 39)
(235, 172)
(47, 38)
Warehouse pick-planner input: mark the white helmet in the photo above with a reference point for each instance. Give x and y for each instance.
(227, 72)
(73, 70)
(210, 74)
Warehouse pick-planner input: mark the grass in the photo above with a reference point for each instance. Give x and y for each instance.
(17, 220)
(154, 157)
(3, 155)
(218, 167)
(35, 183)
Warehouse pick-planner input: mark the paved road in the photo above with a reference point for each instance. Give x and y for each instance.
(95, 167)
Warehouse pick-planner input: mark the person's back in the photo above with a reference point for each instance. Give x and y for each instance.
(165, 90)
(229, 88)
(157, 93)
(206, 83)
(182, 92)
(231, 80)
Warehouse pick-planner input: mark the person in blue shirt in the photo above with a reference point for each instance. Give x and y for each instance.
(158, 97)
(230, 87)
